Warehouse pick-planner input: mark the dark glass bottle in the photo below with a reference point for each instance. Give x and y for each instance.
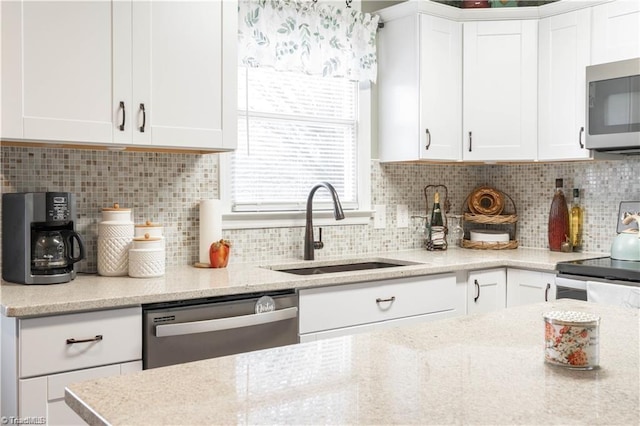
(436, 213)
(558, 219)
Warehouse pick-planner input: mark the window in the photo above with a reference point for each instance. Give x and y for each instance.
(295, 130)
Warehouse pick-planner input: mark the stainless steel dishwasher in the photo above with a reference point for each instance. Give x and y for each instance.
(191, 330)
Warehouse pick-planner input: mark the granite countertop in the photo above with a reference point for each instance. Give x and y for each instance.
(92, 292)
(476, 369)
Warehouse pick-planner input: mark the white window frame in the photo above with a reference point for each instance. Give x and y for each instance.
(362, 216)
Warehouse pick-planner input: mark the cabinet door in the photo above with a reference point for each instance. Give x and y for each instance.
(440, 88)
(524, 287)
(420, 89)
(184, 74)
(500, 90)
(59, 61)
(486, 291)
(564, 54)
(616, 26)
(43, 397)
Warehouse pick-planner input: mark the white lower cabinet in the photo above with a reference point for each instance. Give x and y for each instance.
(43, 397)
(486, 290)
(352, 308)
(524, 287)
(40, 356)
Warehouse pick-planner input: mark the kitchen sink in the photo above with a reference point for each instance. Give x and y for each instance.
(344, 267)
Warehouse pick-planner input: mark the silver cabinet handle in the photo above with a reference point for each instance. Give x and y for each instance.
(225, 323)
(580, 137)
(475, 299)
(92, 339)
(428, 140)
(390, 299)
(470, 141)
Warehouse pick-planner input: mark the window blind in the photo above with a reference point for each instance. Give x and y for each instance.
(294, 130)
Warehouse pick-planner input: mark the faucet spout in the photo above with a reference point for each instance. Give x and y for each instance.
(309, 242)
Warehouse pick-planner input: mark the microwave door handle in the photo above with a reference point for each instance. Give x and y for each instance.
(225, 323)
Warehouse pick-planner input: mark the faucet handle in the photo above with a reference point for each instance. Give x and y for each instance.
(318, 244)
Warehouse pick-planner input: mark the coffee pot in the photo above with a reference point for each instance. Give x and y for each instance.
(39, 240)
(54, 249)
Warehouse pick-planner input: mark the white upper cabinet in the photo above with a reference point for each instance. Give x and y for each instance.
(56, 71)
(500, 90)
(616, 31)
(184, 73)
(564, 53)
(420, 89)
(140, 73)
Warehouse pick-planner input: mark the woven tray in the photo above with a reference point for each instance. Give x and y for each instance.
(491, 219)
(485, 245)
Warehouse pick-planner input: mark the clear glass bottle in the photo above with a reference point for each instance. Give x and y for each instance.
(576, 221)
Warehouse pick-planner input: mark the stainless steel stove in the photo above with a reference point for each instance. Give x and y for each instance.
(603, 268)
(602, 279)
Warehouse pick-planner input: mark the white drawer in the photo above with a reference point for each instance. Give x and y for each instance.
(44, 347)
(346, 305)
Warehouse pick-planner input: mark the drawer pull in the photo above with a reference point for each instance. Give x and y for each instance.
(390, 299)
(93, 339)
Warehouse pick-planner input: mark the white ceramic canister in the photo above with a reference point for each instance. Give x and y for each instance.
(115, 232)
(571, 339)
(153, 229)
(147, 257)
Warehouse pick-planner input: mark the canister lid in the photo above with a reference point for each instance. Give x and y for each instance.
(148, 224)
(571, 318)
(115, 208)
(147, 237)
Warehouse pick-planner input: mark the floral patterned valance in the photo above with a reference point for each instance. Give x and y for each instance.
(323, 38)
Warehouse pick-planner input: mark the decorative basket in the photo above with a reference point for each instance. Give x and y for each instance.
(488, 199)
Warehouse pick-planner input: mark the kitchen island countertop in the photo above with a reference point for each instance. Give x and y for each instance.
(477, 369)
(92, 292)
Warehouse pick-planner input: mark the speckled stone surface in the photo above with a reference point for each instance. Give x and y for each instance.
(91, 292)
(477, 369)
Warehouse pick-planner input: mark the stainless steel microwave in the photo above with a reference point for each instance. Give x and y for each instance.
(613, 107)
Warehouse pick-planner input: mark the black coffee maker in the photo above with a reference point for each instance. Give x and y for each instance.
(38, 237)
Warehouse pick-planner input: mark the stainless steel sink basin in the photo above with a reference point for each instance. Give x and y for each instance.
(347, 267)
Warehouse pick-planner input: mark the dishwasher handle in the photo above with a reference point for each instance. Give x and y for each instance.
(225, 323)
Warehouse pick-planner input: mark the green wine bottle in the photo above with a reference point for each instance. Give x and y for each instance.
(436, 213)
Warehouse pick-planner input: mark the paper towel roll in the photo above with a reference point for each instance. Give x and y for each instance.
(210, 226)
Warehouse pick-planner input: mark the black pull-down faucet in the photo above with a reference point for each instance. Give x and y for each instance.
(309, 242)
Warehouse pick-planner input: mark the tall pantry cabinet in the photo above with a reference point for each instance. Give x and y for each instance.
(146, 74)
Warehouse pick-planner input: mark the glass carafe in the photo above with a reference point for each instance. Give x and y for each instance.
(54, 249)
(48, 250)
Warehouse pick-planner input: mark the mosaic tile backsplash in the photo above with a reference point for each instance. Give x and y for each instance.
(167, 188)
